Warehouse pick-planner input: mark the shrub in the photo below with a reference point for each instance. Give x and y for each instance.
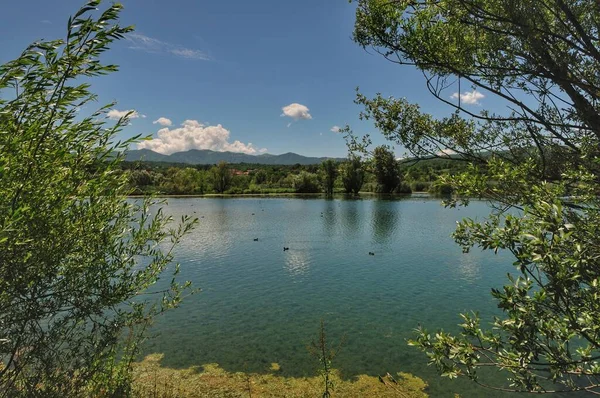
(76, 255)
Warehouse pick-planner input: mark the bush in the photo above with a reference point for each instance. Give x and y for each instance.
(403, 188)
(306, 183)
(76, 255)
(420, 186)
(441, 189)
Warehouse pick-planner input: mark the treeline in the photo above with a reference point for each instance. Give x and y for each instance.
(382, 173)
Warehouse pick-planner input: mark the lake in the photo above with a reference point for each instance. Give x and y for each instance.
(260, 304)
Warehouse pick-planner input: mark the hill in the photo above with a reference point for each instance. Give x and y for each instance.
(203, 156)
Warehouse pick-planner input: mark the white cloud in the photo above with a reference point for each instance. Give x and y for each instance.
(163, 121)
(154, 46)
(335, 129)
(446, 152)
(296, 112)
(189, 53)
(115, 114)
(469, 97)
(195, 135)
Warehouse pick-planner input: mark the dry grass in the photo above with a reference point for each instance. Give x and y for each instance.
(154, 381)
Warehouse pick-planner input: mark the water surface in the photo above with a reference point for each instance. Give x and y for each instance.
(260, 304)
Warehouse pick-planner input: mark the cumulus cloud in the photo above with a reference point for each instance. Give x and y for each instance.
(115, 114)
(335, 129)
(296, 112)
(469, 97)
(446, 152)
(154, 46)
(163, 121)
(195, 135)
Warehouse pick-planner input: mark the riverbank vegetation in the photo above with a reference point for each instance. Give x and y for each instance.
(77, 259)
(533, 151)
(151, 380)
(381, 173)
(79, 262)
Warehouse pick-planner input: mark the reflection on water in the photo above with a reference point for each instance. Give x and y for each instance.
(260, 304)
(351, 218)
(296, 262)
(213, 235)
(329, 217)
(384, 221)
(469, 268)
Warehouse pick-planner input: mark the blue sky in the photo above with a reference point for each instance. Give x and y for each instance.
(222, 72)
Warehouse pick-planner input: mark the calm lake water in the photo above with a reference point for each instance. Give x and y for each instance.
(260, 304)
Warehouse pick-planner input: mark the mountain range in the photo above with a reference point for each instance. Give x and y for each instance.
(204, 156)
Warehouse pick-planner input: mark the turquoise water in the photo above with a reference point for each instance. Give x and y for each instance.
(260, 304)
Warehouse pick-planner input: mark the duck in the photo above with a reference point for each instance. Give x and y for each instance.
(371, 254)
(256, 239)
(286, 248)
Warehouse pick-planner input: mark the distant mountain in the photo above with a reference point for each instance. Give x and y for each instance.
(203, 156)
(147, 155)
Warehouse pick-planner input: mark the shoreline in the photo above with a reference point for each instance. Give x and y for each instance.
(274, 194)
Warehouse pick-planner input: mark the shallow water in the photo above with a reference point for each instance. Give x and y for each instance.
(260, 304)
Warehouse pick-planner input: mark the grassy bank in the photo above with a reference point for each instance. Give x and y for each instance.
(155, 381)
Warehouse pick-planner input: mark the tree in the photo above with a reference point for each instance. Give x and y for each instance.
(260, 177)
(385, 168)
(221, 177)
(76, 257)
(329, 172)
(539, 58)
(353, 174)
(186, 181)
(305, 182)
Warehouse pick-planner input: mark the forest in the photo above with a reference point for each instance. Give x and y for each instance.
(379, 174)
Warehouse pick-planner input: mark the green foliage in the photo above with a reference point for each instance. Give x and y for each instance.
(420, 186)
(187, 180)
(221, 177)
(403, 188)
(329, 173)
(306, 182)
(321, 350)
(538, 159)
(385, 168)
(260, 177)
(440, 188)
(76, 257)
(353, 174)
(350, 177)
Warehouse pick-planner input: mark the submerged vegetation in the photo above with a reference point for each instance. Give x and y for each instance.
(153, 381)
